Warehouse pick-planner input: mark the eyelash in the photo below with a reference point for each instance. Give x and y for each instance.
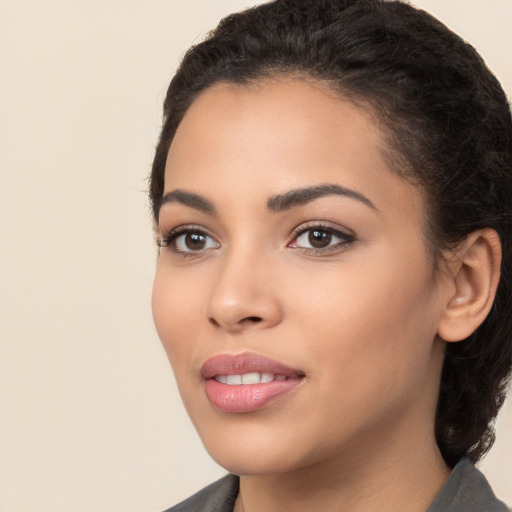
(345, 238)
(169, 240)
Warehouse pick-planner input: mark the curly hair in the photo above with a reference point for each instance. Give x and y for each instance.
(448, 128)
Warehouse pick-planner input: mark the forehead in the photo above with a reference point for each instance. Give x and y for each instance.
(291, 108)
(275, 135)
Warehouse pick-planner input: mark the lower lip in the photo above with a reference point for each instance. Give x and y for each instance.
(247, 397)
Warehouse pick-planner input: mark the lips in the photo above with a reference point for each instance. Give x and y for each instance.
(247, 382)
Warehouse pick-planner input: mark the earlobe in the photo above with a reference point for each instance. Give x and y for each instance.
(474, 274)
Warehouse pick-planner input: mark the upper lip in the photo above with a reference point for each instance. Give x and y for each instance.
(238, 364)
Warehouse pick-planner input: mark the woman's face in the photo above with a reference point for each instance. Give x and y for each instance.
(294, 293)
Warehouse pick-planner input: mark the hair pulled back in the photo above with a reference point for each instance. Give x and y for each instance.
(448, 128)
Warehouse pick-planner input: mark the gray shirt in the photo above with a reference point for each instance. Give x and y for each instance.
(466, 490)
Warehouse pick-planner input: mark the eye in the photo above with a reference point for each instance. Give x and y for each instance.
(186, 240)
(320, 238)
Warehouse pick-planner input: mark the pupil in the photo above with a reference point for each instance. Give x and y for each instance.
(319, 239)
(195, 241)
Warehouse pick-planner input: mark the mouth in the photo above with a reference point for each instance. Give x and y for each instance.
(249, 378)
(247, 382)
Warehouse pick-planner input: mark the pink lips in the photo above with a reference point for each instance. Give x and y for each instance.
(240, 398)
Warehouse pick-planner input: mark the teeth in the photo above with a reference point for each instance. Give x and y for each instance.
(248, 378)
(251, 378)
(233, 380)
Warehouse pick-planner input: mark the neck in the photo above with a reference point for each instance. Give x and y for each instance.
(384, 480)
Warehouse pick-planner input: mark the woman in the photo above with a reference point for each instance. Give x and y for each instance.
(331, 195)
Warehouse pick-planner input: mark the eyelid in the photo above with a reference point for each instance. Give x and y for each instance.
(322, 225)
(345, 235)
(166, 239)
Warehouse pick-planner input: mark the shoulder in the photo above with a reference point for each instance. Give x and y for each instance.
(217, 497)
(467, 490)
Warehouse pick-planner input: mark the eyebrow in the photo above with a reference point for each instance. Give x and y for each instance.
(275, 204)
(305, 195)
(189, 199)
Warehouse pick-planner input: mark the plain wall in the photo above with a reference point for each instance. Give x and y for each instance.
(90, 417)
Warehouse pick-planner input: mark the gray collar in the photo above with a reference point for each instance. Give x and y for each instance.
(466, 490)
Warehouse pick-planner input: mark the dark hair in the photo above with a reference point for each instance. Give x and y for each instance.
(449, 129)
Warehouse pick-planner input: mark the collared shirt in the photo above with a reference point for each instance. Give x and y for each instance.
(466, 490)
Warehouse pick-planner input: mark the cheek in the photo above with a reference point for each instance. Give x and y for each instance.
(175, 304)
(369, 320)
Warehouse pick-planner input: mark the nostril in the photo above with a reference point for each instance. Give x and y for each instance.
(247, 320)
(214, 322)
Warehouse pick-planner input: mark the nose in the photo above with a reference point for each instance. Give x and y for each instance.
(244, 295)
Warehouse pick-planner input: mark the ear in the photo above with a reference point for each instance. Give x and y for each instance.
(473, 275)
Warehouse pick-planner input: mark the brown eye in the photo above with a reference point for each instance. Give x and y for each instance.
(189, 241)
(194, 241)
(319, 239)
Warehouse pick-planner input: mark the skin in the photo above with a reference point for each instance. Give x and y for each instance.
(359, 319)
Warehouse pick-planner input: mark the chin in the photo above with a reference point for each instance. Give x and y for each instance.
(252, 464)
(246, 452)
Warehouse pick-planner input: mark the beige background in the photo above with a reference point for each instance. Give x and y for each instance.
(90, 418)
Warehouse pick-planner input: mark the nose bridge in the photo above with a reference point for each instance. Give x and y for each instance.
(243, 295)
